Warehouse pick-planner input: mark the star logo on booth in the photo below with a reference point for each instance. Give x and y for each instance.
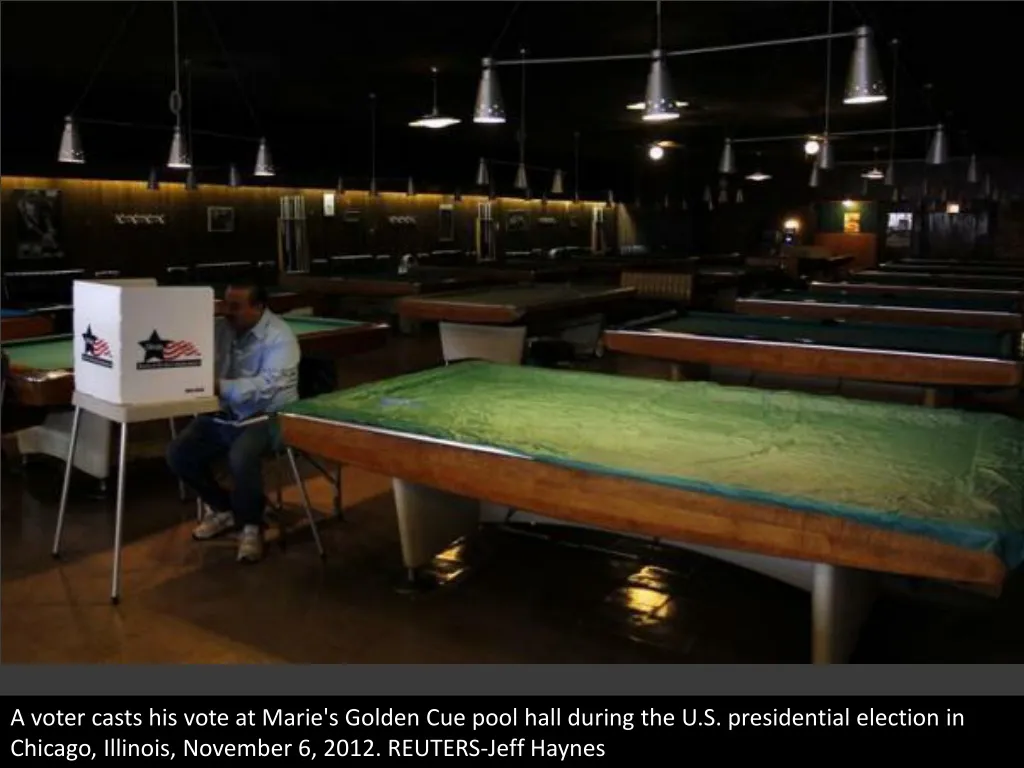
(90, 341)
(154, 347)
(95, 347)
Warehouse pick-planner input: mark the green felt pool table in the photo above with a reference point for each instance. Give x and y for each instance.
(1009, 298)
(42, 369)
(946, 279)
(905, 354)
(831, 488)
(1008, 268)
(991, 313)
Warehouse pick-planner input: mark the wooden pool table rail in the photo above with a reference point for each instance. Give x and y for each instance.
(639, 507)
(456, 308)
(795, 359)
(824, 310)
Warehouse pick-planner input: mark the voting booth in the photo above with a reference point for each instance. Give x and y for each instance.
(137, 343)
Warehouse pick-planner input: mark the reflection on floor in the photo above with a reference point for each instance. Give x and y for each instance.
(513, 596)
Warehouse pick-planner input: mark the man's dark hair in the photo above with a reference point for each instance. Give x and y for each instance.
(257, 291)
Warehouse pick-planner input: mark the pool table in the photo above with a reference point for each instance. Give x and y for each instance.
(24, 324)
(42, 368)
(1007, 268)
(991, 313)
(280, 300)
(820, 492)
(945, 279)
(381, 285)
(920, 291)
(510, 271)
(494, 323)
(897, 354)
(42, 376)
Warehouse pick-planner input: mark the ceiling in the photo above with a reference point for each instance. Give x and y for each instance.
(300, 73)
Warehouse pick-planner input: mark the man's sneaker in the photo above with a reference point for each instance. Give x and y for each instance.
(213, 524)
(250, 544)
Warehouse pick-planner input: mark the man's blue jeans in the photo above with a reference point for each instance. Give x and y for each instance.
(205, 441)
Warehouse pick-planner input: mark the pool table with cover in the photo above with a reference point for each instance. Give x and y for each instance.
(821, 492)
(899, 354)
(494, 323)
(991, 313)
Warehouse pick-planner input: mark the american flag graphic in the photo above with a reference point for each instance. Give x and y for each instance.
(100, 348)
(179, 349)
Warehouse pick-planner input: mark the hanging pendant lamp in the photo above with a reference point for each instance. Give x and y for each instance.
(659, 105)
(727, 162)
(489, 109)
(864, 84)
(179, 157)
(556, 184)
(264, 163)
(70, 144)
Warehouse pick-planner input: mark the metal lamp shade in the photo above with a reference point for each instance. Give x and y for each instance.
(521, 182)
(482, 177)
(825, 158)
(264, 162)
(727, 163)
(556, 184)
(864, 84)
(70, 144)
(938, 150)
(179, 156)
(234, 177)
(659, 105)
(489, 105)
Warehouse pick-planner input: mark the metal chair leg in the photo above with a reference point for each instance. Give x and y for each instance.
(305, 502)
(338, 510)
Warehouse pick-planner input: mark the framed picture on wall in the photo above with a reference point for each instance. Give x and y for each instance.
(38, 227)
(516, 221)
(220, 219)
(446, 224)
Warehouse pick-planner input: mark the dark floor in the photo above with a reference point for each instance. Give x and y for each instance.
(519, 597)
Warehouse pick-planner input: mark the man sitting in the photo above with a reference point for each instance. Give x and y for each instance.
(256, 374)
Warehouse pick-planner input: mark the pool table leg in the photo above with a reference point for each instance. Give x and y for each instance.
(69, 465)
(429, 521)
(841, 599)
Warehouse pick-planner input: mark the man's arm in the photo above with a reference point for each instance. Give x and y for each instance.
(279, 371)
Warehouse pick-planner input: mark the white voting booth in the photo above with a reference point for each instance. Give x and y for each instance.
(138, 343)
(142, 352)
(102, 308)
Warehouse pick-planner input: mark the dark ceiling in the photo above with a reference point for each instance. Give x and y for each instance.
(306, 69)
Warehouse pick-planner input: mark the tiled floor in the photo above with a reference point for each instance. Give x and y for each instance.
(520, 597)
